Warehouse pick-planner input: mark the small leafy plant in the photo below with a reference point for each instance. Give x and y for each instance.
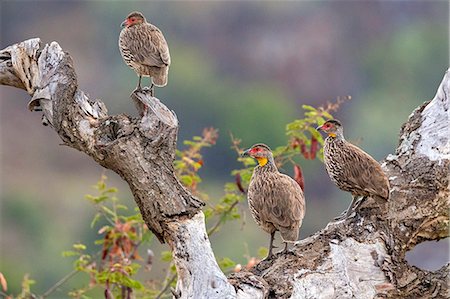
(114, 266)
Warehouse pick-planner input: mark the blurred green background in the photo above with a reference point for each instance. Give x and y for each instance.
(242, 67)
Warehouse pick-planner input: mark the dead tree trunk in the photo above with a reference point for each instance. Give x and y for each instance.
(140, 150)
(363, 257)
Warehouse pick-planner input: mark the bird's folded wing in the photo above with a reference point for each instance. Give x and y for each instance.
(286, 205)
(153, 49)
(363, 171)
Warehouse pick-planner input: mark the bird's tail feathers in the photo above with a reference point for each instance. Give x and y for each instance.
(160, 79)
(290, 234)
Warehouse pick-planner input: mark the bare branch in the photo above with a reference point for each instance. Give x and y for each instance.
(140, 150)
(363, 256)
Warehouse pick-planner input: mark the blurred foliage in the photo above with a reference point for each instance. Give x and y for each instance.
(114, 267)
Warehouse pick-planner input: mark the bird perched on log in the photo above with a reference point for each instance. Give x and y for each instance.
(276, 201)
(350, 168)
(144, 49)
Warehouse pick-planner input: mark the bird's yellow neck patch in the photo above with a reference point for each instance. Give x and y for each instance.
(332, 135)
(262, 160)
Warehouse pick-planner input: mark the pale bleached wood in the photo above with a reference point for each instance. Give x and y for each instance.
(141, 150)
(364, 256)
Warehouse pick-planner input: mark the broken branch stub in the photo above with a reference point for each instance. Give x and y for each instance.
(141, 150)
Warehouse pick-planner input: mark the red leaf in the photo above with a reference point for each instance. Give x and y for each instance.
(106, 245)
(298, 176)
(314, 148)
(126, 227)
(303, 150)
(127, 246)
(239, 183)
(3, 282)
(295, 143)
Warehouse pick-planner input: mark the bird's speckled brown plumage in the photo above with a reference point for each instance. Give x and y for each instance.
(349, 167)
(144, 49)
(276, 201)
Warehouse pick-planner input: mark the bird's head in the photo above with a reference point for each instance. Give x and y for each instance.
(332, 127)
(133, 18)
(260, 152)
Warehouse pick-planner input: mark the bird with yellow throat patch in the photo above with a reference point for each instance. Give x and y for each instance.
(276, 201)
(350, 168)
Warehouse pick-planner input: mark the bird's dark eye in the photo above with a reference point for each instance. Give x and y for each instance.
(133, 19)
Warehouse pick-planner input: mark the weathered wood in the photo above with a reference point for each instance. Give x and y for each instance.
(361, 257)
(141, 150)
(364, 256)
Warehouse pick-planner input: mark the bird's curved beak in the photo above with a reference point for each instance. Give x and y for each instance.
(124, 23)
(319, 128)
(246, 153)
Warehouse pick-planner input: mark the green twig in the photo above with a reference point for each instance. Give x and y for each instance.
(59, 283)
(216, 226)
(167, 286)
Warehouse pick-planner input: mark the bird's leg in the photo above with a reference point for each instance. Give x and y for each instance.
(272, 235)
(138, 87)
(357, 203)
(355, 200)
(152, 90)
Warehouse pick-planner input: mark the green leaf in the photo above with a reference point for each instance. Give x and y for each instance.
(108, 211)
(121, 207)
(70, 253)
(226, 263)
(208, 213)
(101, 185)
(263, 252)
(308, 108)
(79, 246)
(186, 180)
(112, 190)
(327, 115)
(96, 219)
(99, 242)
(146, 236)
(166, 256)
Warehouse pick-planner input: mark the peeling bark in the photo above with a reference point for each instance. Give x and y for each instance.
(364, 256)
(361, 257)
(141, 150)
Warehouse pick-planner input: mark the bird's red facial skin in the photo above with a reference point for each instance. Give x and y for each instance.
(131, 21)
(255, 150)
(326, 127)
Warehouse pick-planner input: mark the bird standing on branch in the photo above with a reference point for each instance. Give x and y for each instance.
(350, 168)
(276, 201)
(144, 49)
